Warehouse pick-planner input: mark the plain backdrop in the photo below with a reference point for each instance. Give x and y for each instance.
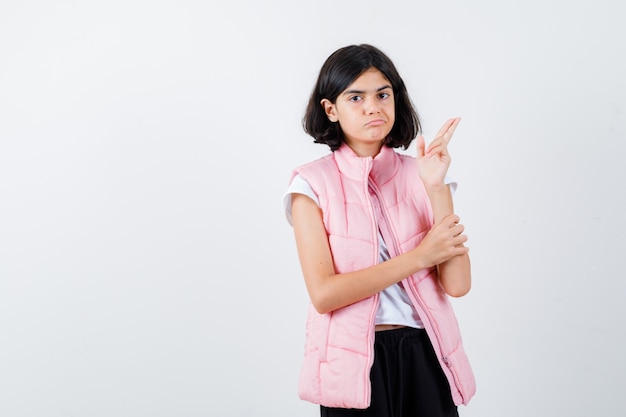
(146, 266)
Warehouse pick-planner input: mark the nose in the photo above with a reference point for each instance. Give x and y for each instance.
(371, 105)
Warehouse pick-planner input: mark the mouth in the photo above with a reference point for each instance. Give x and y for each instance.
(375, 122)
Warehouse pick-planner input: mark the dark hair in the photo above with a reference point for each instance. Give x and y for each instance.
(340, 70)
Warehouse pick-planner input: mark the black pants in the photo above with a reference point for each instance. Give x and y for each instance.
(407, 380)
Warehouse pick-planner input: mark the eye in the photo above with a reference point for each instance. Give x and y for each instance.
(355, 98)
(384, 95)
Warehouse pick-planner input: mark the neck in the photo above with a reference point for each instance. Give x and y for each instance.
(365, 150)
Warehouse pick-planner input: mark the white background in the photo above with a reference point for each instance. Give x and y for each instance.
(146, 267)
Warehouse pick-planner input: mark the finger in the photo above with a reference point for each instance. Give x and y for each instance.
(445, 127)
(448, 134)
(420, 146)
(459, 241)
(451, 220)
(460, 250)
(435, 142)
(457, 230)
(438, 149)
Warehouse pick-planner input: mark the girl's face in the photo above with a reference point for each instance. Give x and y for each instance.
(365, 112)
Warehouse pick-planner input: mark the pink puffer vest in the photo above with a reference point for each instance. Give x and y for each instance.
(339, 345)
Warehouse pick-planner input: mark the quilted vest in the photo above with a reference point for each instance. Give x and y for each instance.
(357, 195)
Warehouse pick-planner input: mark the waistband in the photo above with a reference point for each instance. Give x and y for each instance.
(404, 334)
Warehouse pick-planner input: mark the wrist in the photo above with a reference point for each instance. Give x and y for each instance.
(436, 188)
(440, 200)
(420, 259)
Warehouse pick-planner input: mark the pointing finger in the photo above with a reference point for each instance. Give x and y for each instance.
(445, 127)
(448, 134)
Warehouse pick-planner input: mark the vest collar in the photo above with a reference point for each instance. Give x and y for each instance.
(380, 168)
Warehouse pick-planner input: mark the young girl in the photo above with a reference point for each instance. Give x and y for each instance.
(380, 249)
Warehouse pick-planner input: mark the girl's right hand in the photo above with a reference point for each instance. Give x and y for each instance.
(445, 240)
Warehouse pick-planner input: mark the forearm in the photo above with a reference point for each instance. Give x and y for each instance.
(441, 201)
(339, 290)
(330, 290)
(455, 273)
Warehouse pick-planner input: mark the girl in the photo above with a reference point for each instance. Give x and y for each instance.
(380, 249)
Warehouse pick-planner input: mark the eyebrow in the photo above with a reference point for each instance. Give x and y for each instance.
(363, 92)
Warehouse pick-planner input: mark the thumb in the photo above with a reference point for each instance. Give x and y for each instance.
(420, 146)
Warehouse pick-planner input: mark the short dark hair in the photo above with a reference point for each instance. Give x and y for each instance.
(340, 70)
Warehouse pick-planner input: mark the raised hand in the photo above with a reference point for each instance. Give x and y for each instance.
(433, 163)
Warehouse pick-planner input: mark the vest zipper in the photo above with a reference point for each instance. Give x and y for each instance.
(381, 220)
(394, 250)
(372, 333)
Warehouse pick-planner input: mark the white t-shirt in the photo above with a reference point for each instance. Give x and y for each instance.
(395, 306)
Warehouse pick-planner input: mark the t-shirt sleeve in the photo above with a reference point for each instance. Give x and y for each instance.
(301, 186)
(451, 182)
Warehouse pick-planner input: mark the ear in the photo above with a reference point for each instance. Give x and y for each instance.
(329, 109)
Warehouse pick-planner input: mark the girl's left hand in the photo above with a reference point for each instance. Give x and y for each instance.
(433, 163)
